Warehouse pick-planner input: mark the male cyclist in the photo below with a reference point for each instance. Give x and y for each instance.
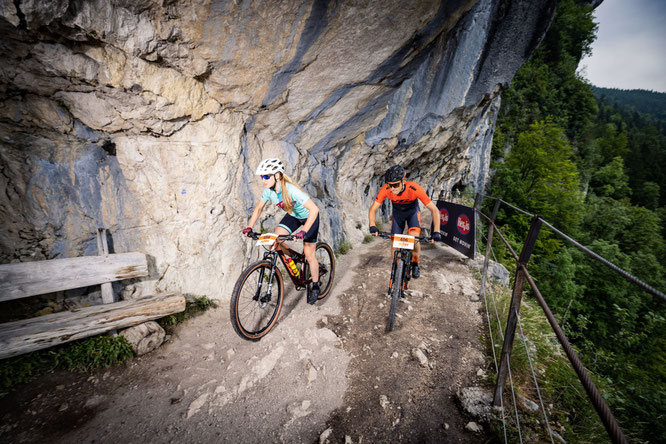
(403, 195)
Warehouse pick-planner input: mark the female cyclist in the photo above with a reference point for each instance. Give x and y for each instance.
(301, 211)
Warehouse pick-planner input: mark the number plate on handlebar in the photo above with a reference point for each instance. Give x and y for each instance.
(403, 241)
(267, 239)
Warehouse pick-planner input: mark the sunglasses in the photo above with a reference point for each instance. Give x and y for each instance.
(394, 184)
(265, 176)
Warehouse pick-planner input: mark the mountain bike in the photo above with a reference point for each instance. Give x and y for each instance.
(401, 268)
(257, 298)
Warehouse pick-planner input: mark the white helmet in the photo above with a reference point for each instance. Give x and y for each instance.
(270, 166)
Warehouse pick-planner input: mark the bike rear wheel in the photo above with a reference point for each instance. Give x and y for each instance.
(253, 309)
(326, 260)
(396, 288)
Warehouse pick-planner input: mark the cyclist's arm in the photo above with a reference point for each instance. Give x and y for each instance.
(255, 214)
(373, 212)
(435, 216)
(314, 211)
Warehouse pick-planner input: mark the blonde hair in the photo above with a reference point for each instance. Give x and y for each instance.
(287, 203)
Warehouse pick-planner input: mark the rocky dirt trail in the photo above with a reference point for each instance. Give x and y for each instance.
(325, 373)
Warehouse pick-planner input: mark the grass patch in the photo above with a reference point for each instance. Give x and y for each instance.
(343, 247)
(193, 307)
(84, 355)
(368, 238)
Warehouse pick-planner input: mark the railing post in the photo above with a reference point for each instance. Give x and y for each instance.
(514, 309)
(489, 244)
(478, 201)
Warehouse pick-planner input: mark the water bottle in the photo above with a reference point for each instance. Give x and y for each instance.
(292, 266)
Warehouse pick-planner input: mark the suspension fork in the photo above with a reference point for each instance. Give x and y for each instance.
(272, 256)
(393, 265)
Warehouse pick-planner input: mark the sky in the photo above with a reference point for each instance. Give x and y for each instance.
(630, 49)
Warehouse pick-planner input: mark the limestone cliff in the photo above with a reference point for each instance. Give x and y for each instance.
(148, 117)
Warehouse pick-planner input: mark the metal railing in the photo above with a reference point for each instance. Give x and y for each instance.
(522, 275)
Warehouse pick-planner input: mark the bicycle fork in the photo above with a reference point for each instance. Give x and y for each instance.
(267, 298)
(406, 257)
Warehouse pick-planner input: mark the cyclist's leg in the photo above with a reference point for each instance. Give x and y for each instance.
(287, 225)
(309, 247)
(281, 231)
(397, 226)
(414, 223)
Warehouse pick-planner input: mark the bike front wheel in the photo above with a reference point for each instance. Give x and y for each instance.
(396, 288)
(254, 309)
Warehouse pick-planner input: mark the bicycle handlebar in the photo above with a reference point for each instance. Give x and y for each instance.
(387, 235)
(287, 237)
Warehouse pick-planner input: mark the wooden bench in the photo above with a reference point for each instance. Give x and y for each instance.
(26, 279)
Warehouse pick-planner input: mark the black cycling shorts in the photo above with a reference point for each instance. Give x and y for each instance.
(291, 224)
(410, 217)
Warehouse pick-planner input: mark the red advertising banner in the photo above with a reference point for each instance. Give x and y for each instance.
(456, 224)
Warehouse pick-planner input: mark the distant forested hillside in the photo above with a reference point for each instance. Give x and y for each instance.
(647, 102)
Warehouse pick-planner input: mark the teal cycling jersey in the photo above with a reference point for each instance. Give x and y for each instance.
(298, 198)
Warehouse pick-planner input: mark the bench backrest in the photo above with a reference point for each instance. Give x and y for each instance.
(25, 279)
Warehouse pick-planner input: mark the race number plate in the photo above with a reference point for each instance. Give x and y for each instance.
(267, 239)
(403, 241)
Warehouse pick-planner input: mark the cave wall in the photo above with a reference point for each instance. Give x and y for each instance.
(149, 117)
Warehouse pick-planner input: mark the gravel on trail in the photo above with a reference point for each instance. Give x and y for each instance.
(326, 373)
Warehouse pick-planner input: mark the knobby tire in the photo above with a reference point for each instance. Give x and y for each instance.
(396, 287)
(250, 320)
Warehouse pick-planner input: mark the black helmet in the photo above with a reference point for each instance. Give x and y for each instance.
(394, 174)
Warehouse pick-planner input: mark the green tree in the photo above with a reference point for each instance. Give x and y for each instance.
(539, 176)
(611, 180)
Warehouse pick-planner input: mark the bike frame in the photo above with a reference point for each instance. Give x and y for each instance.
(282, 251)
(406, 256)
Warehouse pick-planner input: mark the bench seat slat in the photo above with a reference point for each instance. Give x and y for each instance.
(46, 331)
(25, 279)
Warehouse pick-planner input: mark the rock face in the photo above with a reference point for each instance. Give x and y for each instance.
(148, 117)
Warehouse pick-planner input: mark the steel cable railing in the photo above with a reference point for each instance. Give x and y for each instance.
(543, 409)
(492, 346)
(536, 383)
(492, 337)
(593, 393)
(513, 393)
(607, 263)
(514, 318)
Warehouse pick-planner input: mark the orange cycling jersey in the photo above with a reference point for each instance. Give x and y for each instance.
(406, 200)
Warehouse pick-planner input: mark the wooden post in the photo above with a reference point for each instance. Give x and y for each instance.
(514, 309)
(103, 250)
